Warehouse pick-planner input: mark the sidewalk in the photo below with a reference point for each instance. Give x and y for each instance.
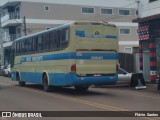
(150, 87)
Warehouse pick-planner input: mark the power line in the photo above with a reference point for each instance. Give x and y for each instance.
(150, 9)
(129, 4)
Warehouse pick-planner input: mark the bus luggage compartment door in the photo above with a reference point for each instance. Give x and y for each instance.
(96, 62)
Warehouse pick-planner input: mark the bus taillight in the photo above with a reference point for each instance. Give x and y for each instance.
(73, 68)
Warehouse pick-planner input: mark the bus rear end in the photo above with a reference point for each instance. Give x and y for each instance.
(96, 46)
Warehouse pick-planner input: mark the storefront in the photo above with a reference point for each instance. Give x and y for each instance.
(149, 46)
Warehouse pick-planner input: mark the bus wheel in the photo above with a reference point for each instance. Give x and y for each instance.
(21, 83)
(46, 87)
(82, 88)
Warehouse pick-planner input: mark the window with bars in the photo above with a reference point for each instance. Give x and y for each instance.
(125, 31)
(106, 11)
(124, 12)
(87, 10)
(152, 0)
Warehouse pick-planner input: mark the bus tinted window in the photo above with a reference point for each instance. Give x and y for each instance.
(46, 41)
(57, 41)
(39, 43)
(33, 44)
(17, 47)
(23, 47)
(52, 40)
(30, 45)
(64, 38)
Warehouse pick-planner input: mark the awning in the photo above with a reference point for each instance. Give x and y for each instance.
(149, 18)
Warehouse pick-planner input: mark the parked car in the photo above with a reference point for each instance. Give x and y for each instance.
(123, 76)
(7, 71)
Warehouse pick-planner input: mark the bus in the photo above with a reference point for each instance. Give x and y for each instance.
(77, 54)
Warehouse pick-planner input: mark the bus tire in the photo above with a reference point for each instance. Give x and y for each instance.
(82, 88)
(46, 86)
(21, 83)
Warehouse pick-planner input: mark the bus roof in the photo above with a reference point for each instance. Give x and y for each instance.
(41, 32)
(66, 25)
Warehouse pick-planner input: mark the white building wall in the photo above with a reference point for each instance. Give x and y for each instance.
(149, 9)
(61, 12)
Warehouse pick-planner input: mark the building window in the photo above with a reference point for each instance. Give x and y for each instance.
(88, 10)
(124, 12)
(152, 0)
(47, 28)
(106, 11)
(46, 8)
(128, 50)
(125, 31)
(137, 13)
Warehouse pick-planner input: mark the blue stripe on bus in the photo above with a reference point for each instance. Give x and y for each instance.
(72, 55)
(81, 33)
(62, 79)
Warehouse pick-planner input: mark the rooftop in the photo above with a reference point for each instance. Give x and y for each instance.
(104, 3)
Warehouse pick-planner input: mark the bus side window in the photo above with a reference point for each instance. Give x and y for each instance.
(30, 45)
(67, 35)
(46, 41)
(35, 43)
(55, 46)
(58, 39)
(64, 38)
(39, 43)
(26, 45)
(52, 39)
(22, 47)
(17, 47)
(20, 42)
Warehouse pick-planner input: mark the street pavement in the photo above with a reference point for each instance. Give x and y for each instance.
(106, 98)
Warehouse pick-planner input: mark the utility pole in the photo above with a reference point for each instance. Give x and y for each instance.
(1, 42)
(24, 23)
(1, 48)
(139, 8)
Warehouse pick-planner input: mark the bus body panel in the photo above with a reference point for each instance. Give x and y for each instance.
(96, 49)
(96, 62)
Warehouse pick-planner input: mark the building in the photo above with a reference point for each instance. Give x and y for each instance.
(1, 46)
(40, 15)
(149, 38)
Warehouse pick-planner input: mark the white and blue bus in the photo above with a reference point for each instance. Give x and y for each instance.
(77, 54)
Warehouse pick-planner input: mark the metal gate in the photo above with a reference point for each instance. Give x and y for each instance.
(126, 61)
(136, 65)
(146, 66)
